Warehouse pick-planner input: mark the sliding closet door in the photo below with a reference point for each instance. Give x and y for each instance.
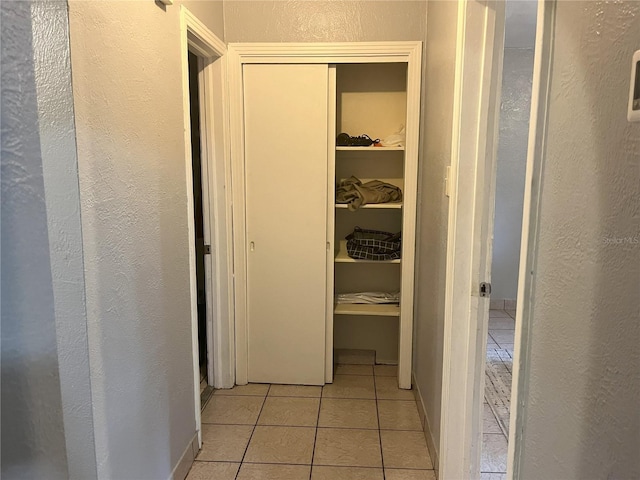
(285, 108)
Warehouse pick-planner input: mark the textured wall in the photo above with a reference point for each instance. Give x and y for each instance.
(517, 75)
(582, 419)
(512, 159)
(323, 21)
(33, 436)
(209, 12)
(434, 207)
(520, 19)
(128, 99)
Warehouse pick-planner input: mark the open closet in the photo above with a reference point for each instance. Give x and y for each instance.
(301, 265)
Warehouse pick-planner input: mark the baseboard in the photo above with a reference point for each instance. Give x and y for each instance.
(502, 304)
(181, 470)
(426, 429)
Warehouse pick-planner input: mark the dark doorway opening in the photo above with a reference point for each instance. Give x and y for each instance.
(196, 159)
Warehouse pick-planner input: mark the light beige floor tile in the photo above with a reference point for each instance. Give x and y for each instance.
(290, 411)
(224, 443)
(210, 470)
(385, 370)
(350, 448)
(262, 471)
(295, 391)
(320, 472)
(354, 370)
(511, 313)
(292, 445)
(498, 314)
(350, 386)
(405, 450)
(387, 389)
(404, 474)
(502, 323)
(494, 453)
(502, 336)
(232, 410)
(399, 415)
(348, 413)
(251, 389)
(489, 422)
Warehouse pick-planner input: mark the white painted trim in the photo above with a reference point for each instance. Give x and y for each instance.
(347, 52)
(331, 224)
(409, 216)
(540, 96)
(236, 131)
(478, 67)
(326, 53)
(196, 37)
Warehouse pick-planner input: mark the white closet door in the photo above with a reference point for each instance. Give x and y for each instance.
(286, 126)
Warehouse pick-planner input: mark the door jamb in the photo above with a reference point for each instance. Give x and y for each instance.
(196, 37)
(540, 96)
(467, 450)
(478, 67)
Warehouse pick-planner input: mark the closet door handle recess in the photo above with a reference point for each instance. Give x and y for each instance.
(252, 246)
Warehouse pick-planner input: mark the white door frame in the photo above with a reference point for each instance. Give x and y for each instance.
(478, 80)
(197, 38)
(540, 95)
(468, 263)
(330, 53)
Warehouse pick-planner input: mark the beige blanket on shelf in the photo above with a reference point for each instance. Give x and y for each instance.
(356, 194)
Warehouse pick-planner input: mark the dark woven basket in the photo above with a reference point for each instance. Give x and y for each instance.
(365, 244)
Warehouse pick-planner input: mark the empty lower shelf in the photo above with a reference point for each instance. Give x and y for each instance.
(383, 310)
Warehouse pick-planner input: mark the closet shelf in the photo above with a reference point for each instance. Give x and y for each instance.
(384, 310)
(369, 149)
(343, 257)
(396, 205)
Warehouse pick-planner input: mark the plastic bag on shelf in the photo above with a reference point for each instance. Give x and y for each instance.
(397, 139)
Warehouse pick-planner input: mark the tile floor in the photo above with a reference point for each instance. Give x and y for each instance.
(361, 427)
(499, 345)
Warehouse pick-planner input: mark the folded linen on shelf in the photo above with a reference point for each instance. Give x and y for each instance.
(356, 194)
(368, 297)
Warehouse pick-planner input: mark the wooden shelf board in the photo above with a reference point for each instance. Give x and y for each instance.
(391, 206)
(343, 257)
(383, 310)
(369, 149)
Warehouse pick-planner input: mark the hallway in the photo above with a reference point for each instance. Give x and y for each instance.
(361, 427)
(498, 370)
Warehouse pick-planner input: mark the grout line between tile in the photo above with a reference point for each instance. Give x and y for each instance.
(264, 400)
(375, 390)
(315, 438)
